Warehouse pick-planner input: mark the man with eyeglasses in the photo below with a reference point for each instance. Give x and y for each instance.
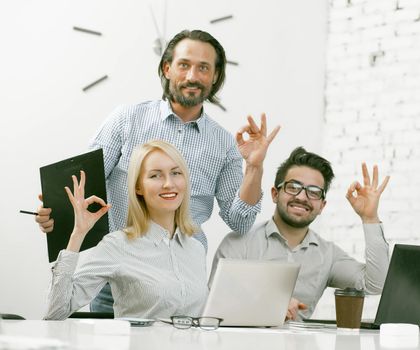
(299, 193)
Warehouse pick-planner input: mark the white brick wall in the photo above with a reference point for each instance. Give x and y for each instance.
(372, 114)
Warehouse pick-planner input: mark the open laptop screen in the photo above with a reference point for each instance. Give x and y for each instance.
(251, 293)
(400, 300)
(400, 297)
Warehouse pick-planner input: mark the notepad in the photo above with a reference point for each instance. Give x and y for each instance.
(54, 177)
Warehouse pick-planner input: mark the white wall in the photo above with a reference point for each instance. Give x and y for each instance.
(372, 114)
(45, 117)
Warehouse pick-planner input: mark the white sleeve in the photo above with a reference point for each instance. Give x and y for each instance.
(72, 289)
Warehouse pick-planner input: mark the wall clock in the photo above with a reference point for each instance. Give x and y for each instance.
(101, 79)
(158, 44)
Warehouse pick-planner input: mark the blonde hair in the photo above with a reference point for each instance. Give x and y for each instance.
(138, 218)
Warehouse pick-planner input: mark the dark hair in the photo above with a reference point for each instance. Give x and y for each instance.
(205, 37)
(300, 157)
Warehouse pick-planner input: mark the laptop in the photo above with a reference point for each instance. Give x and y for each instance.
(252, 293)
(400, 297)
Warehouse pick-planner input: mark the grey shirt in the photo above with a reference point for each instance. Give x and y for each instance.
(323, 263)
(150, 276)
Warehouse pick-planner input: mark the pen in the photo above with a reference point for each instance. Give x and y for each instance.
(27, 212)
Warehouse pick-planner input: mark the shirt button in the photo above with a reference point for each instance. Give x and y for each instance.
(179, 131)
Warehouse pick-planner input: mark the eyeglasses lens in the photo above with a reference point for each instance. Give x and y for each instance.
(294, 188)
(182, 322)
(209, 323)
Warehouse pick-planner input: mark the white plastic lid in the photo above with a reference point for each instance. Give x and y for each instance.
(395, 335)
(399, 329)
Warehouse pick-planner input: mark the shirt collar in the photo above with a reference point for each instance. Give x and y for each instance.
(271, 229)
(157, 234)
(166, 112)
(310, 238)
(182, 238)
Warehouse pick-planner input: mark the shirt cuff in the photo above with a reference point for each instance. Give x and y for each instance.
(66, 262)
(245, 208)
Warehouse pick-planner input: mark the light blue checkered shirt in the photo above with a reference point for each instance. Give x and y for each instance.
(211, 153)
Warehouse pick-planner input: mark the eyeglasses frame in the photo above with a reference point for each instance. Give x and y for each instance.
(284, 183)
(195, 322)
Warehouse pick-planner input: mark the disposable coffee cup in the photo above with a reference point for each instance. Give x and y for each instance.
(349, 307)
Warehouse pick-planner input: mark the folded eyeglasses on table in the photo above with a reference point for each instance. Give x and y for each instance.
(206, 323)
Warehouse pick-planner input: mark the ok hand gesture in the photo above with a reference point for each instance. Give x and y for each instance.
(84, 220)
(255, 148)
(365, 199)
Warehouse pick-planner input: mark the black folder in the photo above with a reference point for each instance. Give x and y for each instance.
(54, 178)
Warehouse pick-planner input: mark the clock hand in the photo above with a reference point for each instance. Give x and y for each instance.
(165, 8)
(154, 21)
(160, 41)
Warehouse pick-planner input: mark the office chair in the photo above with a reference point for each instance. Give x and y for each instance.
(82, 314)
(11, 317)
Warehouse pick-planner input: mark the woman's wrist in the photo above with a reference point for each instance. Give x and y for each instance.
(76, 240)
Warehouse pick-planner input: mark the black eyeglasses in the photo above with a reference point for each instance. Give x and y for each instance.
(206, 323)
(295, 187)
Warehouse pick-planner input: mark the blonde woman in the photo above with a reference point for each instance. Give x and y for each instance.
(154, 266)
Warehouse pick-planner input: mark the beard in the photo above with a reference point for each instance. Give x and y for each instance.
(293, 221)
(191, 99)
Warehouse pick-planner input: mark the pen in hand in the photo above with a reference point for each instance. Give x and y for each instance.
(27, 212)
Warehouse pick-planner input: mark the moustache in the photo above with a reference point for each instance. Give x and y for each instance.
(193, 85)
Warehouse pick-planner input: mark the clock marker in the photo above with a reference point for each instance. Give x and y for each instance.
(223, 108)
(221, 19)
(234, 63)
(87, 87)
(88, 31)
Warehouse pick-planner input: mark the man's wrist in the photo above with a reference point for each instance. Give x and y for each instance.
(371, 220)
(253, 169)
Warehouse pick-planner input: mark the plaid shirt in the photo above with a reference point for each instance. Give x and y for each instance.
(210, 151)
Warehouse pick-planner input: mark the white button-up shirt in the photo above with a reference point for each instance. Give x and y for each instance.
(151, 276)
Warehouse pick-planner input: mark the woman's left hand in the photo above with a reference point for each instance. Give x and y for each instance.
(84, 220)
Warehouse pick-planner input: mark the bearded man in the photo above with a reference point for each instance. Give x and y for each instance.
(192, 70)
(299, 194)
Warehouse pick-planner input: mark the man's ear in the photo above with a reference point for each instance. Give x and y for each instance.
(216, 76)
(274, 194)
(165, 69)
(323, 204)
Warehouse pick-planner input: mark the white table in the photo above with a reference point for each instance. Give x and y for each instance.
(78, 334)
